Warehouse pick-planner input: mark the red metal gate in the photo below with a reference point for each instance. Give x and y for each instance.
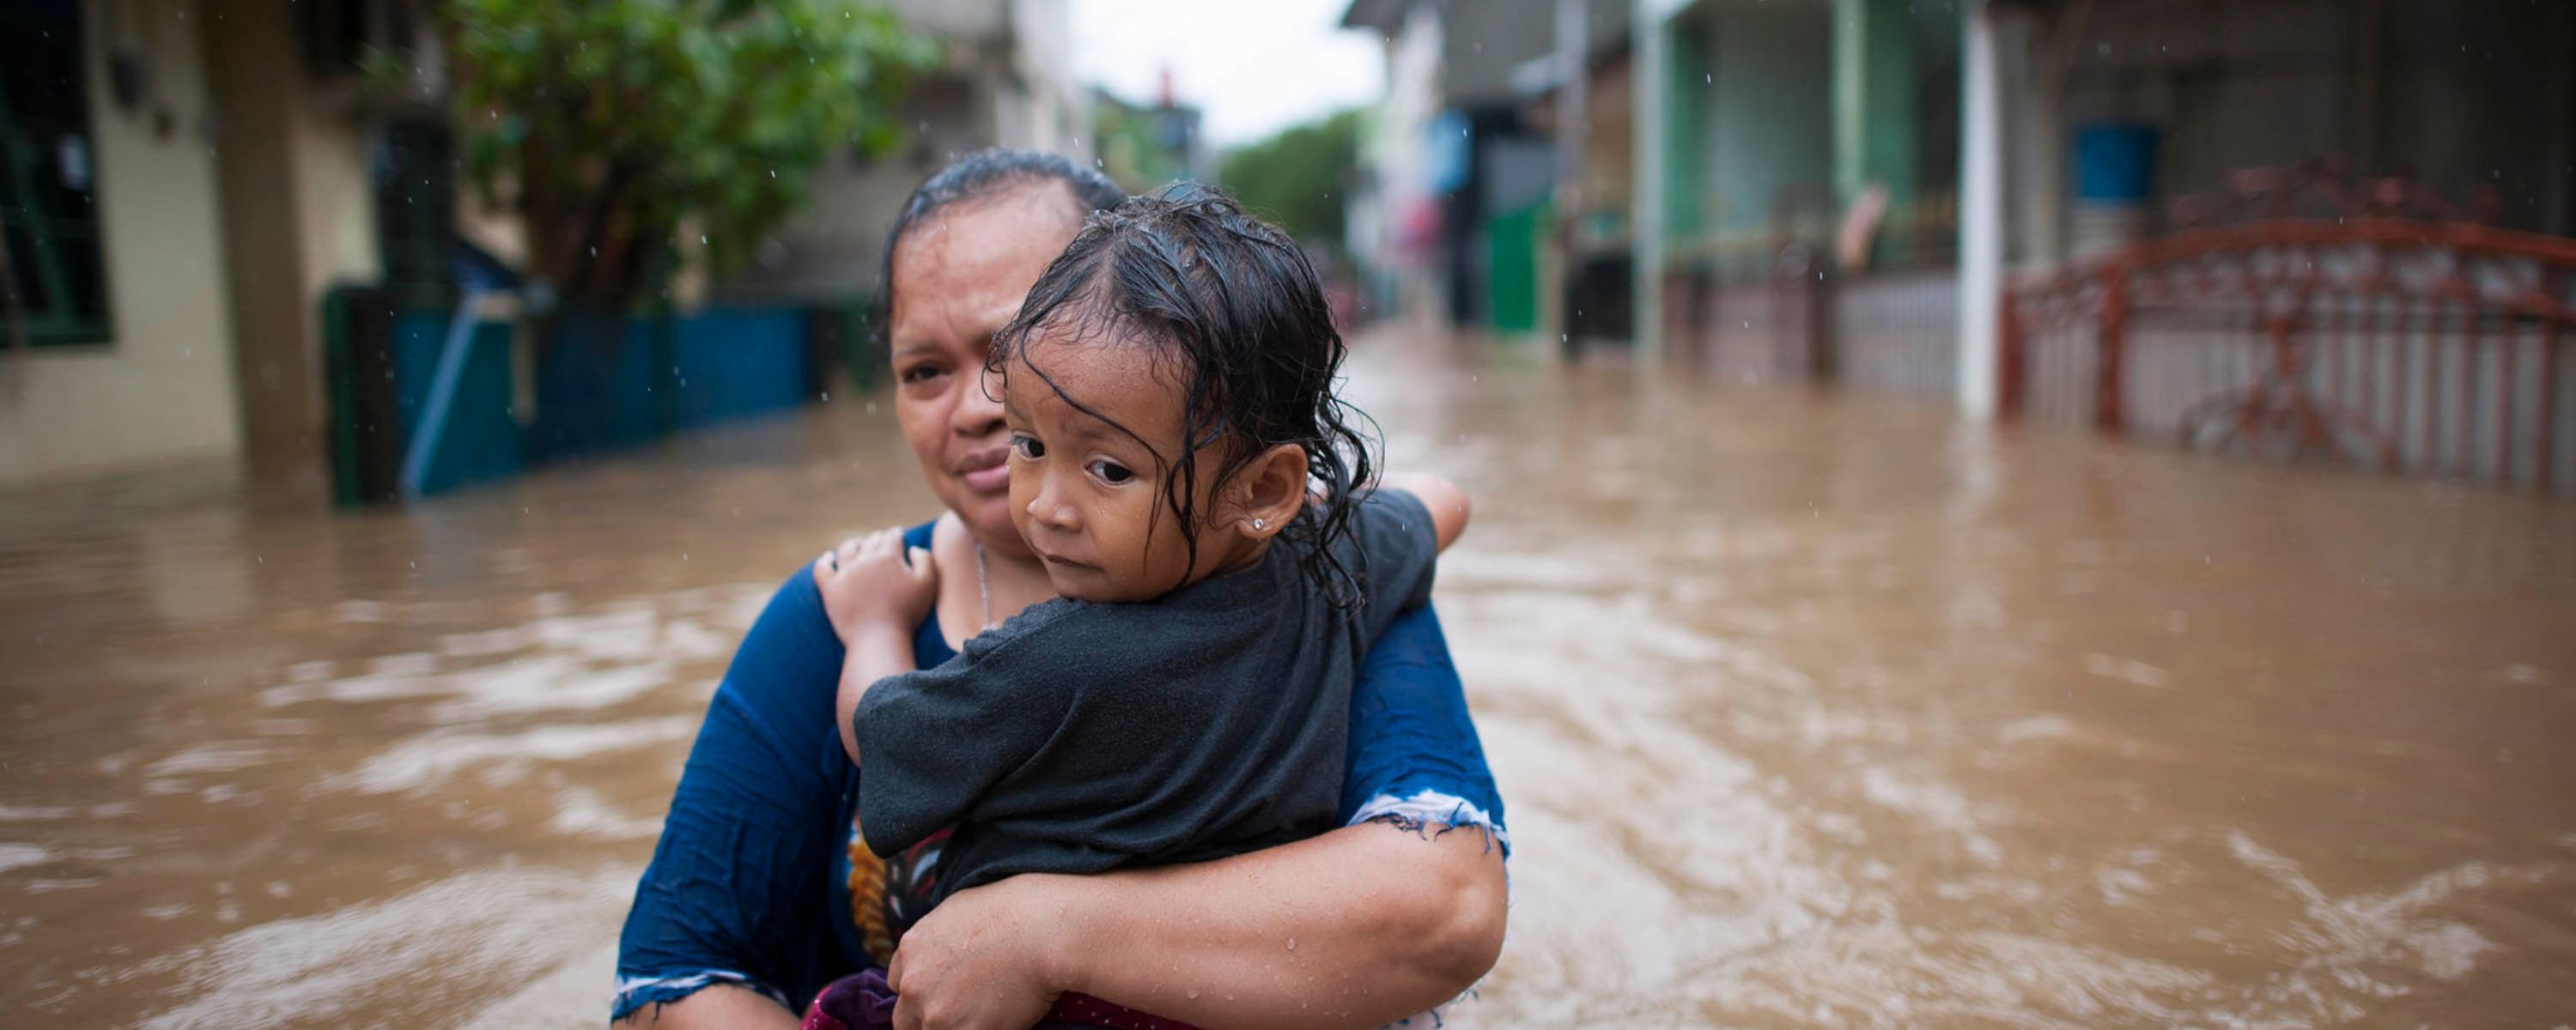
(2410, 346)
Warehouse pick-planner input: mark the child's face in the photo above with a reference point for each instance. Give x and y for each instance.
(1088, 498)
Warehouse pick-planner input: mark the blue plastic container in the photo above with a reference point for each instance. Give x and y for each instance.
(2115, 163)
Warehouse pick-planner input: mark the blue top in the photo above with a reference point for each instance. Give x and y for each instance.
(749, 885)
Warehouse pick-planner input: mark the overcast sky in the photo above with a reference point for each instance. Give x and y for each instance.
(1256, 66)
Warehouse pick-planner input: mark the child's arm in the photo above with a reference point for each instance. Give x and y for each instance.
(1447, 503)
(875, 594)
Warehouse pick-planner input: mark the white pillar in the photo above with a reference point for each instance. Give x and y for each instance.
(1981, 210)
(1647, 86)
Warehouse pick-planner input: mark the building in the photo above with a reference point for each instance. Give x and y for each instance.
(1457, 128)
(186, 184)
(2323, 231)
(2075, 211)
(1794, 191)
(183, 182)
(1393, 210)
(2318, 230)
(1585, 242)
(1008, 81)
(1499, 170)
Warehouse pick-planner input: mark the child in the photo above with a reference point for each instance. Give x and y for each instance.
(1197, 496)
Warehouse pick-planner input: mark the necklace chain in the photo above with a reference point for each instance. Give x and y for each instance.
(984, 583)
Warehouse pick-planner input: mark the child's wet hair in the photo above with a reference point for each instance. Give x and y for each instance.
(1235, 308)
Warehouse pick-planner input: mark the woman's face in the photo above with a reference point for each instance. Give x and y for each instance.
(958, 276)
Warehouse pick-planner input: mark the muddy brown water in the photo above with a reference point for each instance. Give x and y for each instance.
(1810, 710)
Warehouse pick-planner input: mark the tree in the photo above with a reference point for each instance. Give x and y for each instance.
(1299, 178)
(1143, 147)
(607, 125)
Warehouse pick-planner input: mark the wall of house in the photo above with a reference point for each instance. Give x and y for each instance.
(833, 248)
(1936, 96)
(298, 216)
(1010, 83)
(1608, 171)
(1052, 107)
(2484, 93)
(1390, 218)
(1483, 43)
(163, 387)
(2456, 95)
(2228, 86)
(1769, 112)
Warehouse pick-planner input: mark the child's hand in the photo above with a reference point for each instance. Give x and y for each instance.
(872, 581)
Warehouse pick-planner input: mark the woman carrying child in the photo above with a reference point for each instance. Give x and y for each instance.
(1203, 505)
(749, 908)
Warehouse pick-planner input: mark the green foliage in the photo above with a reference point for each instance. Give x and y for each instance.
(1134, 150)
(609, 124)
(1299, 178)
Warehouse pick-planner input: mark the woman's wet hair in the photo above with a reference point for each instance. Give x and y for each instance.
(988, 174)
(1236, 312)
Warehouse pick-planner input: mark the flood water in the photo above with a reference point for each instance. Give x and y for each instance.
(1810, 710)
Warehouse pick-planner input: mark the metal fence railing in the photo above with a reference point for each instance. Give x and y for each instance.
(2402, 345)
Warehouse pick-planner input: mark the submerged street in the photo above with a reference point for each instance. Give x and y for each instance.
(1808, 708)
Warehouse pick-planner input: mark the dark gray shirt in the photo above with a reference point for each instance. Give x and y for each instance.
(1077, 736)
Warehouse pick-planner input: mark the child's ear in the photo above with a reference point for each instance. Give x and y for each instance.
(1269, 492)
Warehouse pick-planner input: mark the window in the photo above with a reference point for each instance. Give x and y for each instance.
(49, 177)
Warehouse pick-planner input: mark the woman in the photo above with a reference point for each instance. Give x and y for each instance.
(747, 908)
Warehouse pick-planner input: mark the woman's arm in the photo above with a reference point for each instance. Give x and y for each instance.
(876, 592)
(722, 1007)
(1355, 928)
(728, 921)
(1400, 910)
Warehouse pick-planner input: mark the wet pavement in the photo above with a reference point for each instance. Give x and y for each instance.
(1810, 710)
